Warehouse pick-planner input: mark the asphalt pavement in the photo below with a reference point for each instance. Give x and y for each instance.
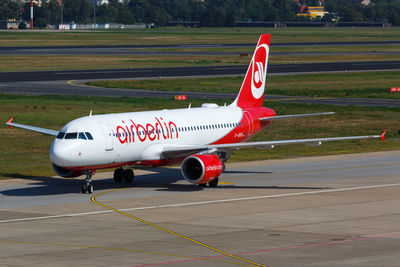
(188, 71)
(339, 210)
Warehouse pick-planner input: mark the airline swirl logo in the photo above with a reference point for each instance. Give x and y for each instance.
(259, 70)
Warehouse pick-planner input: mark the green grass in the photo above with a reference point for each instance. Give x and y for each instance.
(350, 84)
(63, 62)
(193, 36)
(26, 153)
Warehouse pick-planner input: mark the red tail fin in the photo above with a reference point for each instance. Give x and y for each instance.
(252, 91)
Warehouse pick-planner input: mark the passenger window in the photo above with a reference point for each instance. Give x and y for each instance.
(71, 135)
(60, 135)
(82, 136)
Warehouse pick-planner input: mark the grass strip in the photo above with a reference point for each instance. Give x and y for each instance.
(177, 35)
(350, 84)
(64, 62)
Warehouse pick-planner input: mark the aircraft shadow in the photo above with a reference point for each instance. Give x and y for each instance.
(181, 187)
(45, 186)
(162, 180)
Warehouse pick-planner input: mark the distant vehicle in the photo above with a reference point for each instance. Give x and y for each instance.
(203, 138)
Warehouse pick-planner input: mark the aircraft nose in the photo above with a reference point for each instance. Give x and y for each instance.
(59, 154)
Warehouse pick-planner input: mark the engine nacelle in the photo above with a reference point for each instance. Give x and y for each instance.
(201, 169)
(66, 173)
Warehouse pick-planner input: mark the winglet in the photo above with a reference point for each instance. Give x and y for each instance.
(10, 121)
(383, 136)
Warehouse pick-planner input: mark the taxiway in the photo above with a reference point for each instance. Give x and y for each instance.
(333, 211)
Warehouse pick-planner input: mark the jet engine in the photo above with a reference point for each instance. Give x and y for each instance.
(201, 169)
(66, 173)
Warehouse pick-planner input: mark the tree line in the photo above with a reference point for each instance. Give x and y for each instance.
(210, 13)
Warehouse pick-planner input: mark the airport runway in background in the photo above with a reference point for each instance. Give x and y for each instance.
(72, 82)
(75, 88)
(188, 71)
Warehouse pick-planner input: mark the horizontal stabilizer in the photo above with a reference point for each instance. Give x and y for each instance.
(295, 116)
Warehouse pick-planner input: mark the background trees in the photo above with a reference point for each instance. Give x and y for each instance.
(8, 10)
(210, 13)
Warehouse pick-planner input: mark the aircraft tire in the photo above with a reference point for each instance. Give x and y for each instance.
(84, 188)
(118, 175)
(213, 183)
(128, 176)
(89, 188)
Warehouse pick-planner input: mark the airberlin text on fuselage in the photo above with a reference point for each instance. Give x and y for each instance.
(128, 131)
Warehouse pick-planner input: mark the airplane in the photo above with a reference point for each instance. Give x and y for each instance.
(202, 138)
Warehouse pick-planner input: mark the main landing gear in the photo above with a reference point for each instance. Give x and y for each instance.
(87, 186)
(125, 175)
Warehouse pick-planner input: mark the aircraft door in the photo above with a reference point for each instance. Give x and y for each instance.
(108, 137)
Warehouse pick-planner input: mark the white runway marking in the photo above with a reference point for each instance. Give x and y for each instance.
(204, 202)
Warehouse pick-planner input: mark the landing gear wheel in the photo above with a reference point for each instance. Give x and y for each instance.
(213, 183)
(90, 188)
(118, 175)
(84, 188)
(128, 176)
(87, 186)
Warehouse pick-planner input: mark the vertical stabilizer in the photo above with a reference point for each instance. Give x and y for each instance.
(251, 93)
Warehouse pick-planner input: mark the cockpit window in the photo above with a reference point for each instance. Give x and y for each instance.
(71, 135)
(60, 135)
(81, 136)
(89, 136)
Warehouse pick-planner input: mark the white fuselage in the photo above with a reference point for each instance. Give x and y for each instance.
(138, 137)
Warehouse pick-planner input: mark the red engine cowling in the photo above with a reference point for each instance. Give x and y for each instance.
(66, 173)
(201, 169)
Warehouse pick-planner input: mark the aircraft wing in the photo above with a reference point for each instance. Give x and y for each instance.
(179, 151)
(312, 142)
(295, 116)
(32, 128)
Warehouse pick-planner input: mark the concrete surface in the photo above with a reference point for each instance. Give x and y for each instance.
(319, 211)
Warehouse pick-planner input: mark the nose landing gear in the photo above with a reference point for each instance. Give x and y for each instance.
(87, 186)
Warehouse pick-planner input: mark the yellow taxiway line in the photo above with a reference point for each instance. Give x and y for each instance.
(169, 231)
